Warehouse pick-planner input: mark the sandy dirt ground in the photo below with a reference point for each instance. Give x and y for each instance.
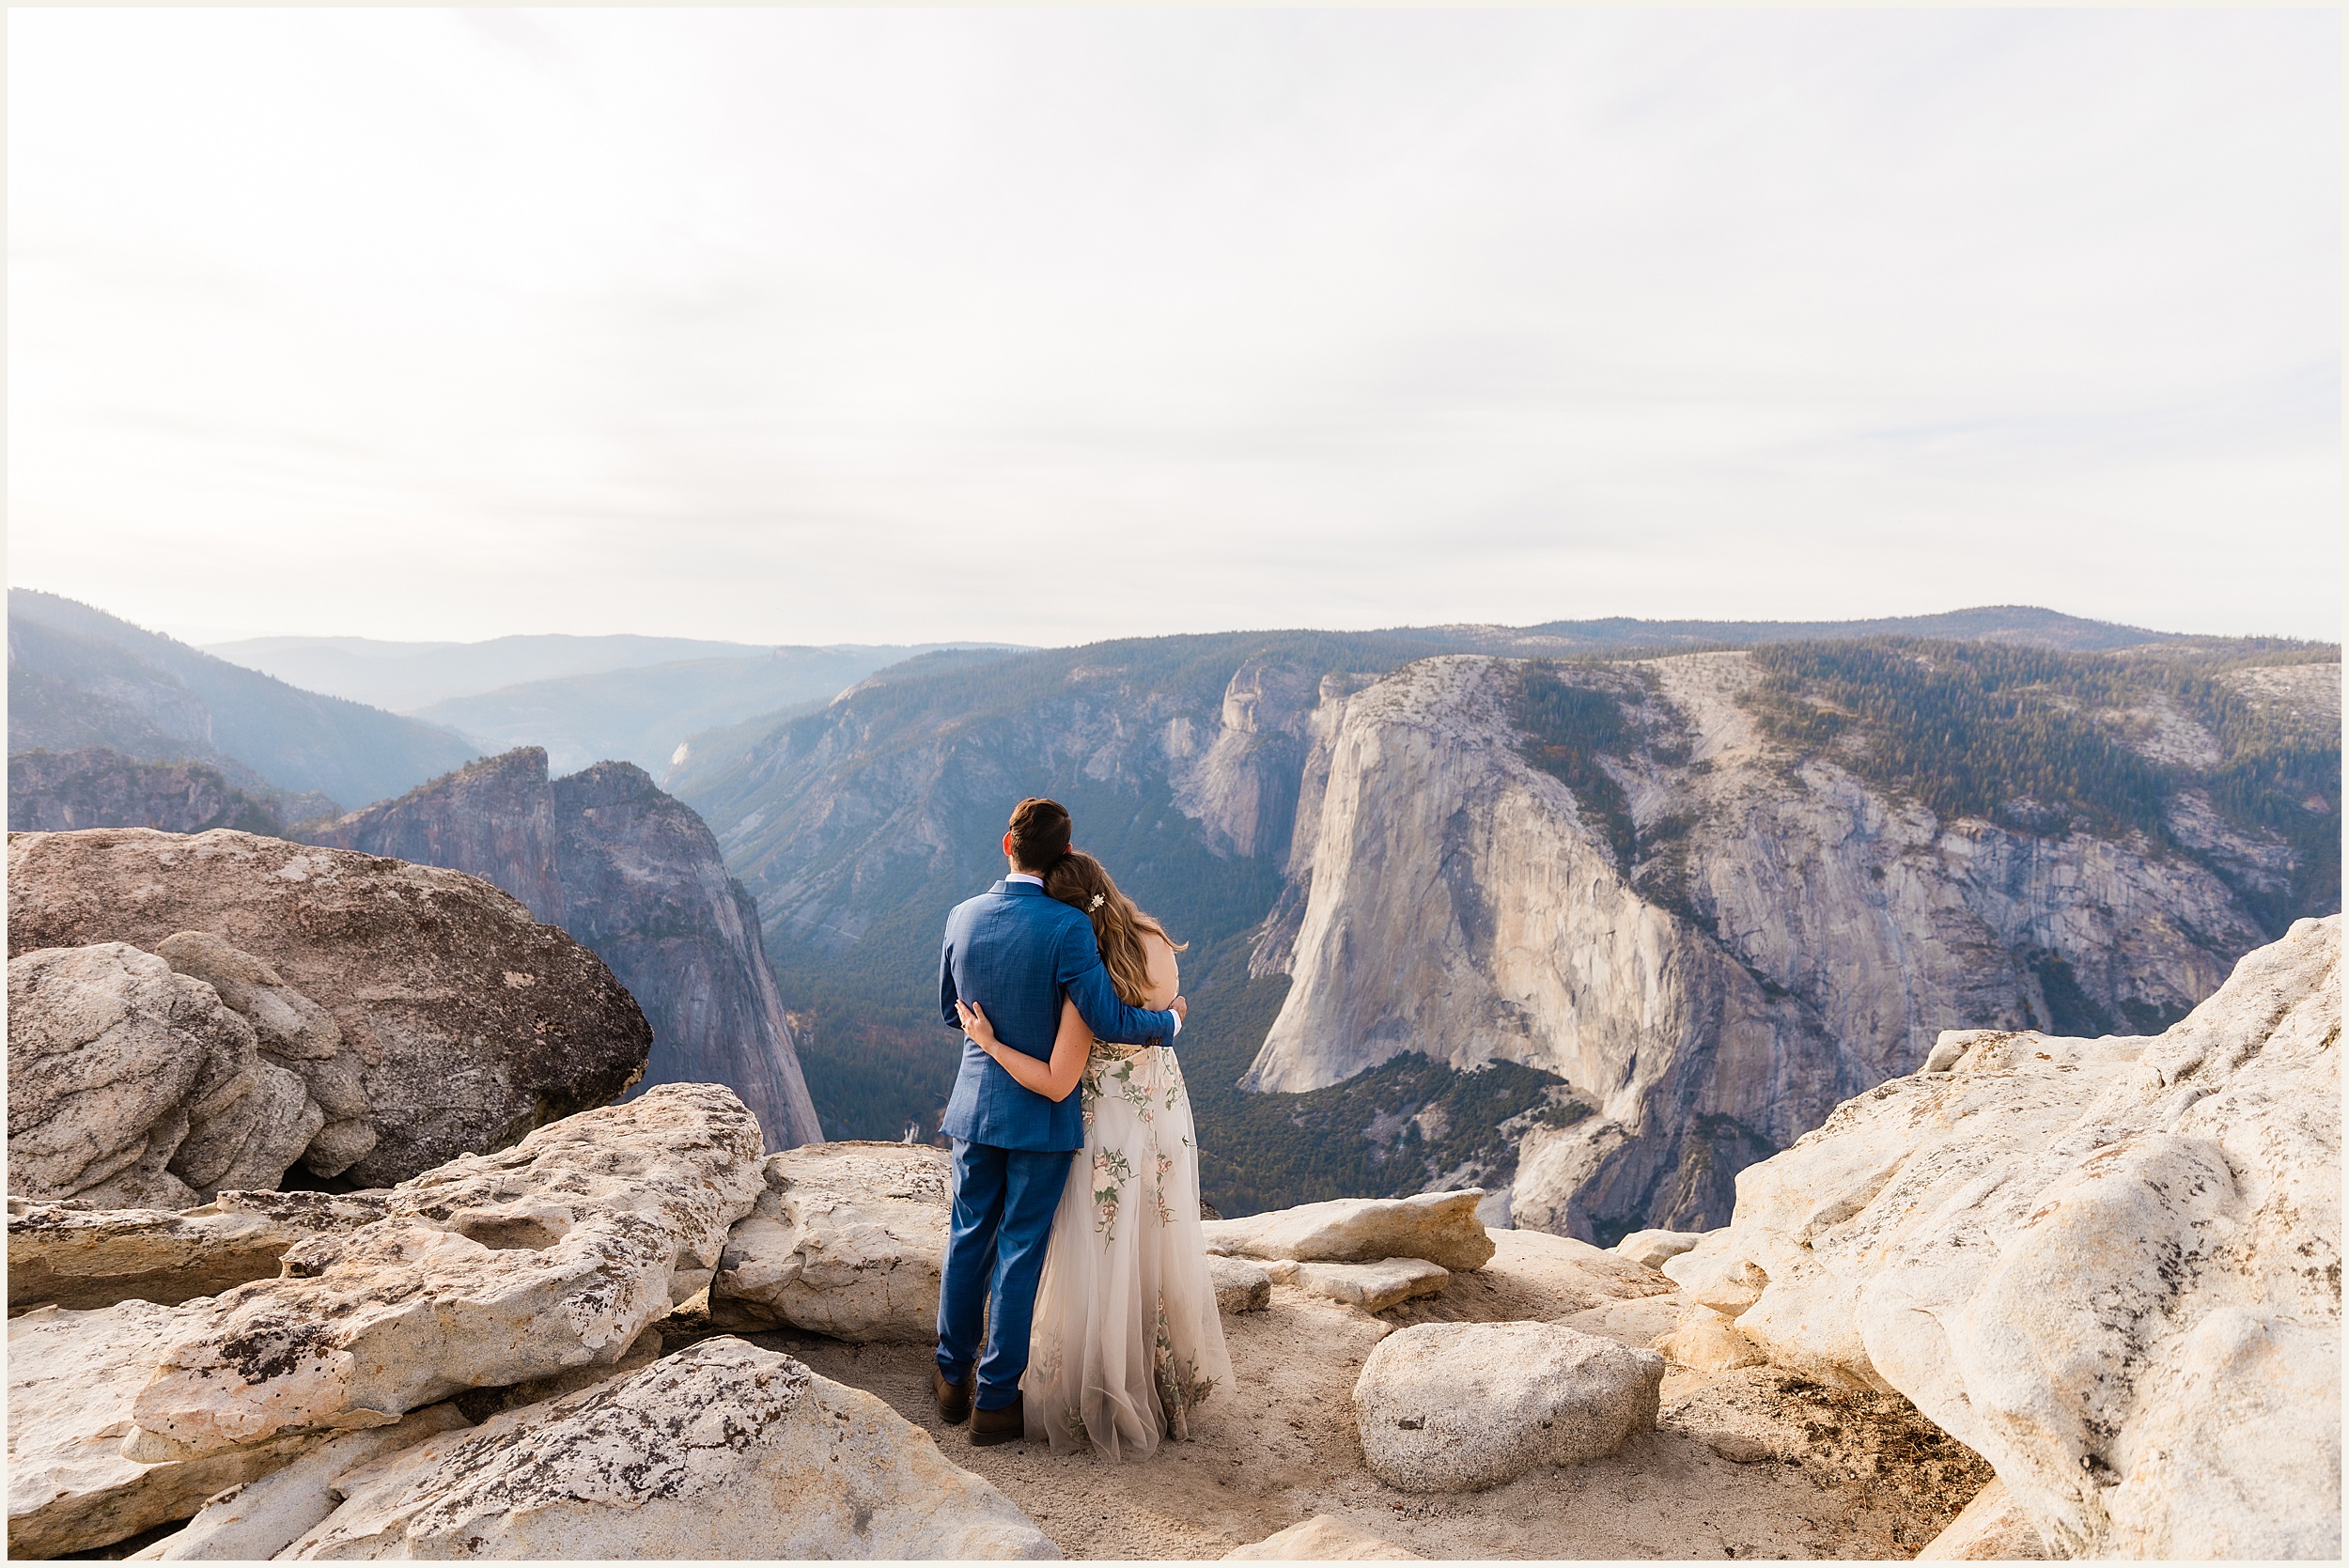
(1750, 1464)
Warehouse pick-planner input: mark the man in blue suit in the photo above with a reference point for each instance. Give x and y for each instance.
(1014, 952)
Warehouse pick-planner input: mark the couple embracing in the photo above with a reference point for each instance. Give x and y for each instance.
(1075, 1246)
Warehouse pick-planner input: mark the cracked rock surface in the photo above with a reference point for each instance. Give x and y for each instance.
(69, 1255)
(492, 1270)
(73, 1376)
(2110, 1266)
(131, 1085)
(721, 1450)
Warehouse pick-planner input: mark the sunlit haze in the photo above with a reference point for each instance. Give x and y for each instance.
(818, 326)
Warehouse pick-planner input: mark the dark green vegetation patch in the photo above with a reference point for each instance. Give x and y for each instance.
(2019, 735)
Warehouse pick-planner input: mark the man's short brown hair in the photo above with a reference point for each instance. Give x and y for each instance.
(1040, 833)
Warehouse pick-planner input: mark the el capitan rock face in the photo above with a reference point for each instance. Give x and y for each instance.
(634, 874)
(470, 1023)
(1782, 937)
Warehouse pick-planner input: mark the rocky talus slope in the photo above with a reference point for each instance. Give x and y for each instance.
(193, 1013)
(634, 874)
(2110, 1266)
(1713, 940)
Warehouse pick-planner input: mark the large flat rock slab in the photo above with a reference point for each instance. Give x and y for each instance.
(539, 1263)
(490, 1270)
(1374, 1287)
(721, 1450)
(1440, 1227)
(2109, 1266)
(847, 1239)
(470, 1022)
(69, 1255)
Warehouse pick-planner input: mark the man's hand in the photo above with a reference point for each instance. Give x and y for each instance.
(1182, 1009)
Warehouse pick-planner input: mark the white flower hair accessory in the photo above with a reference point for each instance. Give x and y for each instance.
(1097, 899)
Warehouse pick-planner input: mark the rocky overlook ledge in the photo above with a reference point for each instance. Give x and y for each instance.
(2042, 1296)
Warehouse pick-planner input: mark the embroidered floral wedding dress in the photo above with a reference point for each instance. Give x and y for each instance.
(1127, 1337)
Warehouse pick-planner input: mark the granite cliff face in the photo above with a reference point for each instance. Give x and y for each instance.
(635, 875)
(56, 792)
(1713, 952)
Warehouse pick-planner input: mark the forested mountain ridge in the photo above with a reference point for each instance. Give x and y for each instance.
(1185, 760)
(79, 678)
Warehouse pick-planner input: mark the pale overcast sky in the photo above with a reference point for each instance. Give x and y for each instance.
(828, 326)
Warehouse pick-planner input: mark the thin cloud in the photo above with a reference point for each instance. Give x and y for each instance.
(818, 326)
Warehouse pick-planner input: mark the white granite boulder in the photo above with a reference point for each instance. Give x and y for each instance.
(492, 1270)
(132, 1086)
(1991, 1529)
(1240, 1286)
(471, 1023)
(70, 1255)
(1440, 1227)
(1460, 1407)
(1652, 1248)
(720, 1450)
(2109, 1266)
(1704, 1340)
(847, 1239)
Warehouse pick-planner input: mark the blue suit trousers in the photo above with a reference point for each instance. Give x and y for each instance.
(1002, 1217)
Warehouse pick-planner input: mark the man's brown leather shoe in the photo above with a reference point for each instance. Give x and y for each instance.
(1007, 1425)
(954, 1399)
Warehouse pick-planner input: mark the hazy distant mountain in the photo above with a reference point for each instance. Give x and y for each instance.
(78, 677)
(2021, 624)
(643, 714)
(405, 676)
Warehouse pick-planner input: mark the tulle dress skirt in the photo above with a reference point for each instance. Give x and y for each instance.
(1128, 1338)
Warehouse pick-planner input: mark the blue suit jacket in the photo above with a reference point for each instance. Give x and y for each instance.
(1015, 951)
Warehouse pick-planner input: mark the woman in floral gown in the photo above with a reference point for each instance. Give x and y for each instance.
(1127, 1337)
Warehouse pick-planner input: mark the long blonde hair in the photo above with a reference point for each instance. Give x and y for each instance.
(1118, 924)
